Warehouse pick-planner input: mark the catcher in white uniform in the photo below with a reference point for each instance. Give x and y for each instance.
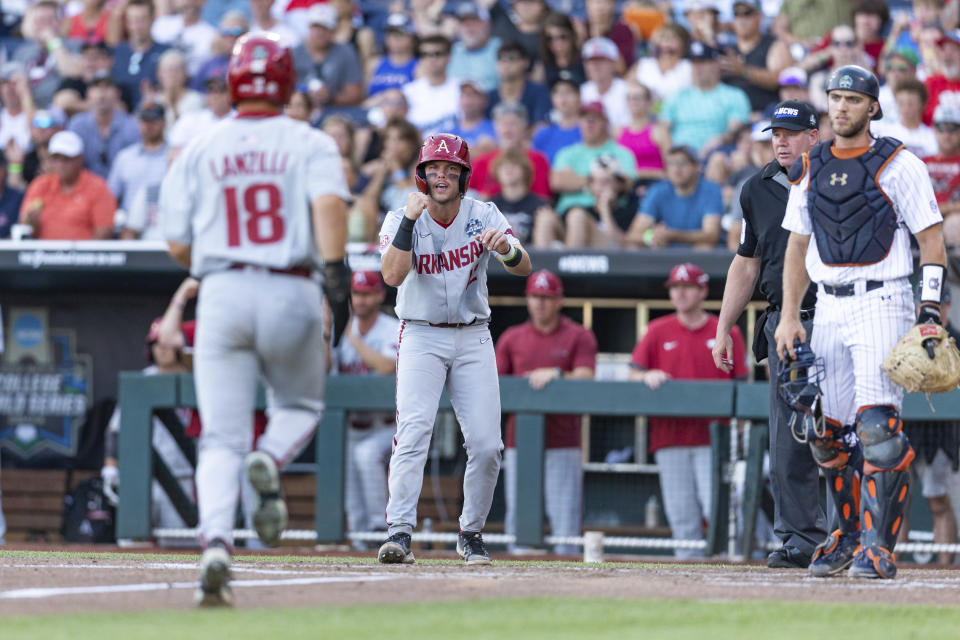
(439, 262)
(251, 207)
(851, 209)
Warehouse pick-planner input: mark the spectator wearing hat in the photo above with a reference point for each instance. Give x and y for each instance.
(71, 203)
(433, 98)
(104, 116)
(559, 52)
(897, 66)
(43, 54)
(514, 173)
(920, 139)
(135, 59)
(396, 67)
(233, 25)
(684, 209)
(520, 21)
(564, 128)
(369, 347)
(140, 166)
(678, 347)
(217, 107)
(263, 20)
(187, 31)
(514, 86)
(754, 63)
(335, 65)
(792, 83)
(10, 200)
(667, 70)
(23, 167)
(474, 54)
(17, 106)
(945, 85)
(547, 347)
(944, 169)
(472, 123)
(605, 224)
(702, 18)
(603, 22)
(704, 115)
(600, 60)
(511, 126)
(570, 172)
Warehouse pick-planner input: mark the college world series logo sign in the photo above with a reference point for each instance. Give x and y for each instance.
(45, 386)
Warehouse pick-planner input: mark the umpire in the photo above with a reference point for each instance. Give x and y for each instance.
(798, 518)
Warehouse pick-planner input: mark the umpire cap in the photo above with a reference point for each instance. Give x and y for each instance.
(854, 78)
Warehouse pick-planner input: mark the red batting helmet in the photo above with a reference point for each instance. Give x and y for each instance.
(448, 147)
(260, 68)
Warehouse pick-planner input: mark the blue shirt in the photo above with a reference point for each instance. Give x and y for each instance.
(130, 67)
(99, 152)
(682, 213)
(10, 201)
(214, 67)
(552, 138)
(390, 76)
(213, 10)
(479, 65)
(484, 129)
(536, 98)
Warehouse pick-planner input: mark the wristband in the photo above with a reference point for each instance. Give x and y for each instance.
(510, 255)
(404, 238)
(53, 44)
(15, 167)
(515, 259)
(648, 237)
(931, 283)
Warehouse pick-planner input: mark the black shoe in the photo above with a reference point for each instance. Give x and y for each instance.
(396, 550)
(788, 558)
(470, 547)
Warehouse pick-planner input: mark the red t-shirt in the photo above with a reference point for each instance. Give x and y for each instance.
(945, 177)
(522, 349)
(685, 355)
(937, 85)
(483, 180)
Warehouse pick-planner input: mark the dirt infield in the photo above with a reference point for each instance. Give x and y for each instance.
(40, 584)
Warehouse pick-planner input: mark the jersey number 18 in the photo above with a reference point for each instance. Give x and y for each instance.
(261, 207)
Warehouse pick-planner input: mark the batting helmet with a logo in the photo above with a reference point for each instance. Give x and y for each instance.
(854, 78)
(447, 147)
(261, 68)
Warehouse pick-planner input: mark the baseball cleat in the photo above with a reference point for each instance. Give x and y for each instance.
(470, 547)
(872, 563)
(214, 589)
(396, 550)
(270, 517)
(834, 554)
(788, 558)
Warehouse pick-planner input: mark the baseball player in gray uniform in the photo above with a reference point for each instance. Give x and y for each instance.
(439, 262)
(251, 207)
(852, 207)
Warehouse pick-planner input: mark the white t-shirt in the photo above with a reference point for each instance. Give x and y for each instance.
(240, 193)
(921, 142)
(663, 85)
(614, 101)
(432, 109)
(16, 128)
(194, 40)
(906, 183)
(192, 124)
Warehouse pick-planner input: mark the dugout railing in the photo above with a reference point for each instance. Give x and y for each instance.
(143, 396)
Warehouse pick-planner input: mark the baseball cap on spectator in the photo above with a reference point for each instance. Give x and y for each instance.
(907, 54)
(600, 48)
(946, 113)
(49, 118)
(753, 4)
(509, 108)
(324, 15)
(700, 5)
(700, 52)
(793, 77)
(686, 150)
(544, 283)
(687, 273)
(760, 132)
(65, 143)
(151, 112)
(235, 30)
(949, 37)
(400, 22)
(476, 85)
(216, 78)
(794, 115)
(471, 9)
(366, 282)
(595, 108)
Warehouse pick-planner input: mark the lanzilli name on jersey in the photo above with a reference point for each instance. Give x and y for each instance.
(250, 163)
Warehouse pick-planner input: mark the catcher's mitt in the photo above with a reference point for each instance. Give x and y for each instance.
(925, 359)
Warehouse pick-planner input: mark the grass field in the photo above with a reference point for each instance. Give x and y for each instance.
(483, 616)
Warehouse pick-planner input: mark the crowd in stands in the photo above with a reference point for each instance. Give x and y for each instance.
(612, 124)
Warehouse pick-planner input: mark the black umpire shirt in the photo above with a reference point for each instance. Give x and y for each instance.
(763, 200)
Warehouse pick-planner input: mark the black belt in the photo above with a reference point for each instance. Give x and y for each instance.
(454, 325)
(805, 314)
(301, 272)
(847, 290)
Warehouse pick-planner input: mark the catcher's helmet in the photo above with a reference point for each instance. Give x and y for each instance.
(448, 147)
(798, 380)
(855, 78)
(261, 68)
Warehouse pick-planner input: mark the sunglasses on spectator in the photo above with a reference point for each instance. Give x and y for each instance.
(743, 13)
(947, 127)
(898, 67)
(42, 122)
(436, 53)
(843, 43)
(558, 36)
(510, 57)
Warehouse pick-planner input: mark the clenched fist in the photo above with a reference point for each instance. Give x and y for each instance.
(495, 240)
(416, 203)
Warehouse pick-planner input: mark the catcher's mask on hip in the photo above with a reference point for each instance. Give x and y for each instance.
(798, 384)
